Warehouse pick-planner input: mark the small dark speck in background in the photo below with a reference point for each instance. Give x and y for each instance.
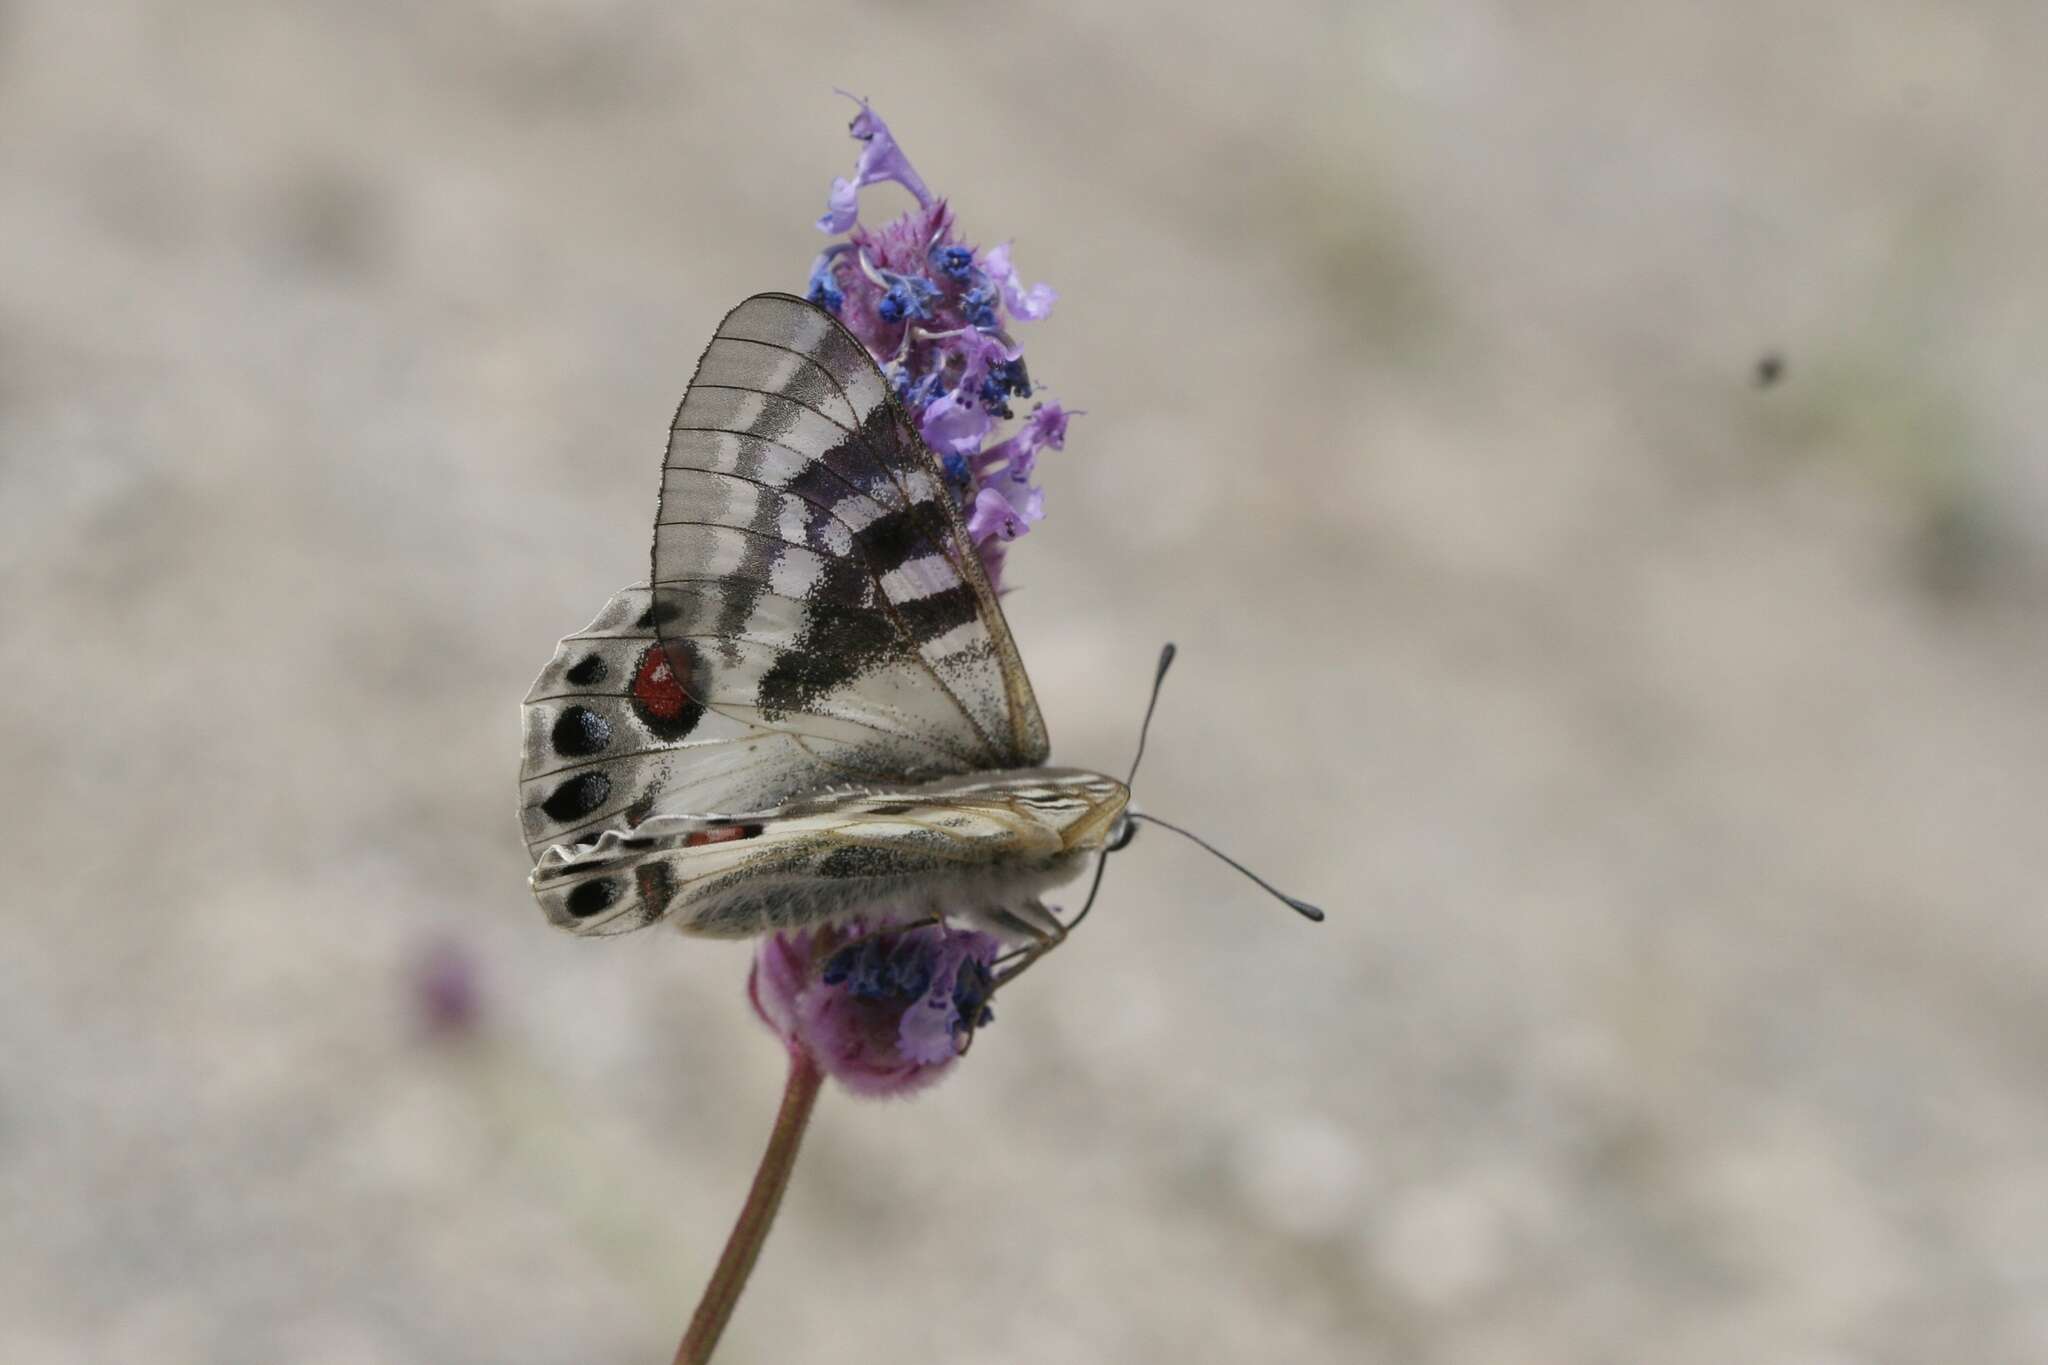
(1770, 368)
(445, 989)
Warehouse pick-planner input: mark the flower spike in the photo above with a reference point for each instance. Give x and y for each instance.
(935, 312)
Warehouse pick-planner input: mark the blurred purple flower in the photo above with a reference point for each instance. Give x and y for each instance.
(885, 1009)
(934, 313)
(445, 989)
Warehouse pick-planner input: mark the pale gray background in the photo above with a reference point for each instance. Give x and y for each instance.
(1671, 753)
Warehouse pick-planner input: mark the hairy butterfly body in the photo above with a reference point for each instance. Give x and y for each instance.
(814, 709)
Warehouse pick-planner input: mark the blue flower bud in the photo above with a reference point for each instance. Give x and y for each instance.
(979, 306)
(955, 262)
(826, 296)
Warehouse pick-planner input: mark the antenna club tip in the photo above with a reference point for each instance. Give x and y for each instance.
(1308, 912)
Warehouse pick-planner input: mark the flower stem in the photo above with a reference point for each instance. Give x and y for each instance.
(757, 1215)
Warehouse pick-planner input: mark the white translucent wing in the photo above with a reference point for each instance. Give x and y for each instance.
(818, 614)
(810, 561)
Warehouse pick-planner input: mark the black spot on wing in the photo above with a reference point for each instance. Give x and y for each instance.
(577, 797)
(580, 732)
(588, 671)
(593, 897)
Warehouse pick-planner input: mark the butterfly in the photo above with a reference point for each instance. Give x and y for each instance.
(813, 710)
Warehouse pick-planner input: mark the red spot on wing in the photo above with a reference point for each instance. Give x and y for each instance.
(657, 889)
(656, 686)
(725, 834)
(668, 689)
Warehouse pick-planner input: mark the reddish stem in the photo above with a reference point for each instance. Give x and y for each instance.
(743, 1247)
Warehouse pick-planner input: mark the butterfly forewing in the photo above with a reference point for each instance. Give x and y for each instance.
(809, 559)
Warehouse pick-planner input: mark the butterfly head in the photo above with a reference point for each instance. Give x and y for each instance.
(1096, 810)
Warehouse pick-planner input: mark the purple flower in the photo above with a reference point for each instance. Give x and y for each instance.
(953, 427)
(1046, 426)
(880, 159)
(934, 312)
(446, 989)
(885, 1009)
(1031, 304)
(1005, 510)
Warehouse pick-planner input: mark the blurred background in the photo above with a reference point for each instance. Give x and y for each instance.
(1591, 460)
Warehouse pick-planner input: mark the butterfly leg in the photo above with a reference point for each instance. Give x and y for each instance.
(1033, 920)
(892, 930)
(1030, 920)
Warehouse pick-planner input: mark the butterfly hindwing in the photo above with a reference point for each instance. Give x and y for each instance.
(964, 846)
(614, 732)
(605, 723)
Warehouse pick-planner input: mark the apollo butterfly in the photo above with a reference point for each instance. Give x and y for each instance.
(813, 710)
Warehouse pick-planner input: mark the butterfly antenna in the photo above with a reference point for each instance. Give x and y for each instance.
(1300, 907)
(1165, 662)
(1122, 837)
